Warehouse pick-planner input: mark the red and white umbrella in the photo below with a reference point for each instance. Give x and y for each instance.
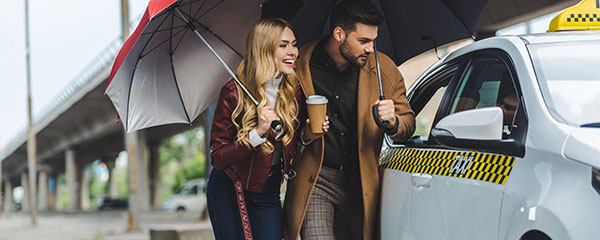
(180, 55)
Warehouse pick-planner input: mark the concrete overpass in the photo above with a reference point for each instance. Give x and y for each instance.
(79, 126)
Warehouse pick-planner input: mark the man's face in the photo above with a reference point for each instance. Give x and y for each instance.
(508, 104)
(358, 44)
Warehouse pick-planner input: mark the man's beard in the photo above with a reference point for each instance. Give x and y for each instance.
(347, 54)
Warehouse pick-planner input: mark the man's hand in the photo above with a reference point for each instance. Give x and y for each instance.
(266, 115)
(387, 112)
(308, 135)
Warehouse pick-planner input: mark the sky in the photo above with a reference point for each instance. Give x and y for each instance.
(65, 35)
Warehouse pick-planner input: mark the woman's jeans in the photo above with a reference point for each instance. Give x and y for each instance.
(264, 208)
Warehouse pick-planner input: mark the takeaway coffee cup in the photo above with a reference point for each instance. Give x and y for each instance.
(317, 109)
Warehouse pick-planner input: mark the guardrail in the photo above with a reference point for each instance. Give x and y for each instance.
(103, 59)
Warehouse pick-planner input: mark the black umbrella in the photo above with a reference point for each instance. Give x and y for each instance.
(410, 27)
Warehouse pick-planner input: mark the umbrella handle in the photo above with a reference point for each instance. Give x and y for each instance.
(380, 124)
(276, 127)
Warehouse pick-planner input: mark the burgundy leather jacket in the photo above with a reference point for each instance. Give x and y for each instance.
(250, 164)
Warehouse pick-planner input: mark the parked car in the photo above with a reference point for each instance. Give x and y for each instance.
(192, 197)
(507, 142)
(108, 203)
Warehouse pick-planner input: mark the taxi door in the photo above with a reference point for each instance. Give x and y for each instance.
(396, 184)
(456, 193)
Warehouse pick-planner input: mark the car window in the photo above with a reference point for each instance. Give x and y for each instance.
(194, 190)
(487, 82)
(569, 80)
(427, 101)
(424, 120)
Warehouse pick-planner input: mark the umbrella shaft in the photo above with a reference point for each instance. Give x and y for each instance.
(378, 71)
(217, 56)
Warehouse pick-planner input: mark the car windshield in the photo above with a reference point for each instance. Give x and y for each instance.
(568, 76)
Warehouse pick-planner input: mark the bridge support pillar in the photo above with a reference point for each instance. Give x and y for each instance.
(139, 197)
(110, 162)
(73, 175)
(8, 199)
(43, 188)
(155, 195)
(85, 189)
(1, 192)
(25, 199)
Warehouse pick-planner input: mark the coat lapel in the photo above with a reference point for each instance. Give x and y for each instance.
(303, 69)
(367, 79)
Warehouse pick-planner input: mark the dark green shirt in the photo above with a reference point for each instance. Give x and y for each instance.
(341, 89)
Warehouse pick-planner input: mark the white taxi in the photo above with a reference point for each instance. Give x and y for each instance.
(507, 143)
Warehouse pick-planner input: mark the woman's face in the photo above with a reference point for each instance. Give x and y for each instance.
(286, 52)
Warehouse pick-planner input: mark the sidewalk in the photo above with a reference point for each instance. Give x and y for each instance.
(109, 225)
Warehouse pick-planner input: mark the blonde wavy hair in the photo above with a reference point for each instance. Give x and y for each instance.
(256, 70)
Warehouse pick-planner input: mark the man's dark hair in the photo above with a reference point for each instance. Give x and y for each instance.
(349, 12)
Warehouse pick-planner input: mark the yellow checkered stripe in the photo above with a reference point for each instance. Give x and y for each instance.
(487, 167)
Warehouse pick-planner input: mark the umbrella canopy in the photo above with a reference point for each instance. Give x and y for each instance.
(168, 73)
(410, 28)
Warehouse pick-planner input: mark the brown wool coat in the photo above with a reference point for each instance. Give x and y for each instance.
(370, 138)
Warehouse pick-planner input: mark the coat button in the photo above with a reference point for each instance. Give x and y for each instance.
(311, 179)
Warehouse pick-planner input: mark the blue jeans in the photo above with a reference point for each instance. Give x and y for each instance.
(264, 208)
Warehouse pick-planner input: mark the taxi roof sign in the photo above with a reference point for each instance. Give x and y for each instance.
(585, 15)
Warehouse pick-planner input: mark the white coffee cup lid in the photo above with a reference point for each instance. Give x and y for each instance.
(316, 99)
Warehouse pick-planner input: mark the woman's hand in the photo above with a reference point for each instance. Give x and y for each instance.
(266, 115)
(309, 135)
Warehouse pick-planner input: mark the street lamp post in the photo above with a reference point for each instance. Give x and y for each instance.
(130, 141)
(31, 143)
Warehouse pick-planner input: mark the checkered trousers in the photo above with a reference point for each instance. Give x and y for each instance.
(335, 209)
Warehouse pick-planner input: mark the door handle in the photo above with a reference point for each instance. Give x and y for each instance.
(421, 181)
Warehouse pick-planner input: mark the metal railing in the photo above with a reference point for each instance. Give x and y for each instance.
(97, 64)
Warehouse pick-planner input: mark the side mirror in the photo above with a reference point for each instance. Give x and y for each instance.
(476, 124)
(478, 129)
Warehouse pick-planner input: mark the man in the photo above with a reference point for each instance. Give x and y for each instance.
(507, 99)
(508, 103)
(336, 192)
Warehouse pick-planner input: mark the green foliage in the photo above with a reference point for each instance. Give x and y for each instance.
(97, 187)
(62, 193)
(181, 159)
(120, 175)
(186, 151)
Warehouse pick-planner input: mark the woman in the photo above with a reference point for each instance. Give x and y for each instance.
(244, 150)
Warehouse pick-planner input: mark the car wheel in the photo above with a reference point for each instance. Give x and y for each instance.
(535, 235)
(180, 209)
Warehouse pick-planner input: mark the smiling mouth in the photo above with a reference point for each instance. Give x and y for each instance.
(289, 61)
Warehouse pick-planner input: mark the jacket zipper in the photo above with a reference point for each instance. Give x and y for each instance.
(249, 172)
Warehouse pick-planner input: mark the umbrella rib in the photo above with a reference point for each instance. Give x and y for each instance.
(218, 57)
(181, 39)
(171, 51)
(133, 74)
(207, 11)
(199, 8)
(170, 10)
(161, 43)
(148, 42)
(207, 29)
(163, 30)
(220, 39)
